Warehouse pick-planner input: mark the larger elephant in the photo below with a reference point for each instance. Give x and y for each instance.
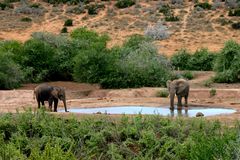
(45, 92)
(180, 87)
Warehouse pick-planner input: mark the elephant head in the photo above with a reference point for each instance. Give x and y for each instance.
(180, 87)
(59, 93)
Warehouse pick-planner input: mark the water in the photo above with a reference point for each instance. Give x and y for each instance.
(165, 111)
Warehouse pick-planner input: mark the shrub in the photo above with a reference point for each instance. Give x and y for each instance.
(227, 63)
(232, 3)
(26, 19)
(236, 25)
(187, 75)
(157, 32)
(171, 18)
(35, 5)
(136, 65)
(208, 83)
(202, 60)
(3, 6)
(37, 60)
(65, 51)
(38, 135)
(68, 22)
(11, 75)
(162, 93)
(165, 9)
(235, 12)
(204, 5)
(212, 92)
(64, 30)
(124, 3)
(92, 9)
(181, 59)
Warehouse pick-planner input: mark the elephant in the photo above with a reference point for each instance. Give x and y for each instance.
(180, 87)
(45, 92)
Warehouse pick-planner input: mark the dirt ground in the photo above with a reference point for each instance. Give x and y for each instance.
(87, 95)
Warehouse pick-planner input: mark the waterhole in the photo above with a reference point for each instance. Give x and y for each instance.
(164, 111)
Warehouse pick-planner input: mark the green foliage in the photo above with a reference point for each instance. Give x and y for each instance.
(204, 5)
(73, 2)
(208, 83)
(201, 60)
(37, 135)
(3, 6)
(35, 5)
(37, 60)
(137, 64)
(124, 3)
(26, 19)
(64, 30)
(165, 9)
(187, 75)
(68, 22)
(236, 25)
(171, 18)
(213, 92)
(227, 63)
(235, 12)
(92, 9)
(11, 75)
(181, 59)
(162, 93)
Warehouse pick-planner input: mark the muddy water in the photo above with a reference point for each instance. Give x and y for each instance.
(165, 111)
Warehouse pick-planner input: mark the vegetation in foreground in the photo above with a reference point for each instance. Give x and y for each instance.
(40, 135)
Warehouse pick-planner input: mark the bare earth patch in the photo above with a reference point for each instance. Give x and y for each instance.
(86, 95)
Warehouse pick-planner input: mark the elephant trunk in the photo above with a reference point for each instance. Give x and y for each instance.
(65, 105)
(172, 95)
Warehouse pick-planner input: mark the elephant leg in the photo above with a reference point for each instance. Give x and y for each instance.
(55, 105)
(38, 103)
(179, 101)
(186, 101)
(50, 102)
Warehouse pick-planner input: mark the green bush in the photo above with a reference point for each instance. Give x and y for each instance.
(11, 75)
(187, 75)
(235, 12)
(162, 93)
(204, 5)
(92, 9)
(201, 60)
(124, 3)
(213, 92)
(37, 60)
(138, 64)
(181, 59)
(171, 18)
(227, 63)
(64, 30)
(236, 25)
(26, 19)
(3, 6)
(165, 9)
(38, 135)
(68, 22)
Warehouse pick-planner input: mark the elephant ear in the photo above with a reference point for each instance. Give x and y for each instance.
(168, 84)
(55, 93)
(181, 87)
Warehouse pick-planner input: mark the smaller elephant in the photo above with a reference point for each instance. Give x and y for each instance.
(180, 87)
(45, 92)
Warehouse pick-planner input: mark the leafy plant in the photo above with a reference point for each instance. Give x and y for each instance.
(124, 3)
(162, 93)
(227, 63)
(188, 75)
(181, 59)
(236, 25)
(213, 92)
(157, 32)
(26, 19)
(64, 30)
(204, 5)
(68, 22)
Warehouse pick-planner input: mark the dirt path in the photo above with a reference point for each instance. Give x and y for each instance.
(86, 95)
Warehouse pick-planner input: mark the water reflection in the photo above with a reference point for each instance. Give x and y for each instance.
(165, 111)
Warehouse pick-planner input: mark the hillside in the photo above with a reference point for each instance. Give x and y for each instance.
(195, 29)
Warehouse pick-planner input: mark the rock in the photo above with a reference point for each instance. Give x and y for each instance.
(199, 114)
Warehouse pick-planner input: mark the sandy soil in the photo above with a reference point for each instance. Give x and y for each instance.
(195, 30)
(86, 95)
